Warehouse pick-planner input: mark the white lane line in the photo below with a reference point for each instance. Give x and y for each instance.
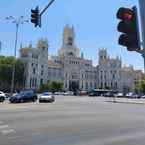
(3, 126)
(5, 132)
(15, 137)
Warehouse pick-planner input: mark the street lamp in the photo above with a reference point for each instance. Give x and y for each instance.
(17, 22)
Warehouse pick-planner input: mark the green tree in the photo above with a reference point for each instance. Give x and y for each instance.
(56, 86)
(51, 86)
(140, 86)
(45, 87)
(6, 67)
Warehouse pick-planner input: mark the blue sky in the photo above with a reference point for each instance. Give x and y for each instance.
(94, 21)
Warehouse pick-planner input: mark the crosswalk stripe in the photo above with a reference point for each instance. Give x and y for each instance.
(3, 126)
(5, 132)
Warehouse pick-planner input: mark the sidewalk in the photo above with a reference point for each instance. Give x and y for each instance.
(126, 100)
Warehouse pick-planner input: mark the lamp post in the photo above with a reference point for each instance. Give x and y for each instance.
(17, 23)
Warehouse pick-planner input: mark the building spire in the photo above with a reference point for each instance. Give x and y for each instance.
(30, 44)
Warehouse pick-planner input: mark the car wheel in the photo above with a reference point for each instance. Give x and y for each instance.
(34, 100)
(21, 101)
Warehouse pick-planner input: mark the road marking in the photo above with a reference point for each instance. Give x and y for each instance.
(15, 137)
(5, 132)
(3, 126)
(4, 129)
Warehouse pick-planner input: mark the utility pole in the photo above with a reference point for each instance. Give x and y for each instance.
(17, 23)
(142, 13)
(0, 46)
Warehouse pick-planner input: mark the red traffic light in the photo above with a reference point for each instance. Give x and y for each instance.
(128, 16)
(125, 14)
(128, 26)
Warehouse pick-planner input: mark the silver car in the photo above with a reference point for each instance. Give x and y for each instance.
(46, 97)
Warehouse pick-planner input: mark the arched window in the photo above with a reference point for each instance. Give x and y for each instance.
(70, 41)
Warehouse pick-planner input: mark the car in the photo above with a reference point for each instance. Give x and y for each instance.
(7, 95)
(136, 96)
(93, 94)
(68, 93)
(46, 97)
(83, 93)
(23, 97)
(133, 96)
(119, 95)
(129, 95)
(109, 94)
(143, 97)
(2, 96)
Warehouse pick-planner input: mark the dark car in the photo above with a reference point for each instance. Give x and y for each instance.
(24, 96)
(93, 94)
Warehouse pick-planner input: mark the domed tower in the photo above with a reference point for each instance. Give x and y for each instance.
(68, 37)
(102, 55)
(68, 45)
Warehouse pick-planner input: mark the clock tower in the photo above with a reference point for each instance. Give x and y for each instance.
(68, 46)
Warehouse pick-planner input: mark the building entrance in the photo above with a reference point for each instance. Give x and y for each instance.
(74, 86)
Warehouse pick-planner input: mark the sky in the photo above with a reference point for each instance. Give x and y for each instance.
(94, 21)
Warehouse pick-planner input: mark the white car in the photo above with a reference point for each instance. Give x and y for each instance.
(2, 96)
(46, 97)
(68, 93)
(143, 97)
(119, 95)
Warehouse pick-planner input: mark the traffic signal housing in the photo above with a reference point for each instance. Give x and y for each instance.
(35, 17)
(128, 26)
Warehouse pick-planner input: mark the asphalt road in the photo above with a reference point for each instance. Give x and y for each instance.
(72, 121)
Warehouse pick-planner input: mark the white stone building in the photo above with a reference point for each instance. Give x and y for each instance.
(109, 71)
(36, 64)
(73, 69)
(68, 66)
(115, 77)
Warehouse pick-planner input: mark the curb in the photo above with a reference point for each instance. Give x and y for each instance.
(141, 103)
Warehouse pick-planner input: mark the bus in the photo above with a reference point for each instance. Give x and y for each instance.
(102, 92)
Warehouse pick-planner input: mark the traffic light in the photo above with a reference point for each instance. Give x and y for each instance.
(35, 17)
(128, 26)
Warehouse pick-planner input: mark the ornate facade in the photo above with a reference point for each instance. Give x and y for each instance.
(72, 68)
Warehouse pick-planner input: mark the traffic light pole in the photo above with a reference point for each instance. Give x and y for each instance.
(49, 4)
(142, 13)
(36, 15)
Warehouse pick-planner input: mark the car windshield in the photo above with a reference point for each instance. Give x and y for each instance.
(26, 92)
(46, 93)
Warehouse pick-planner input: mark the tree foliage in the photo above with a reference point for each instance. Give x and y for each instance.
(6, 68)
(140, 86)
(51, 86)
